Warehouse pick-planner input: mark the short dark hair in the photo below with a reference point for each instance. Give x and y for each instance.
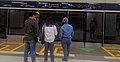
(49, 21)
(36, 13)
(33, 13)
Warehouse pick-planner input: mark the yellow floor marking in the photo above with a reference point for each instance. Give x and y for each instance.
(118, 55)
(114, 50)
(41, 51)
(2, 43)
(61, 52)
(5, 46)
(109, 53)
(112, 47)
(48, 51)
(14, 42)
(55, 51)
(16, 48)
(119, 51)
(57, 45)
(7, 49)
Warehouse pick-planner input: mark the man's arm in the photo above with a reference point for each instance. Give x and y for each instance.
(60, 34)
(55, 31)
(72, 32)
(36, 28)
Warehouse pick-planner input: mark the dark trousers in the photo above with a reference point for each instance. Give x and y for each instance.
(66, 42)
(30, 47)
(49, 46)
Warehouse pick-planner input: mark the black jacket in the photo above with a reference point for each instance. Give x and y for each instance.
(31, 29)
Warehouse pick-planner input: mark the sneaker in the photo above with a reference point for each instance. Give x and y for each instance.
(64, 60)
(37, 54)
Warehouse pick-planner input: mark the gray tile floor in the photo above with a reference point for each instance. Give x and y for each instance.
(4, 58)
(97, 55)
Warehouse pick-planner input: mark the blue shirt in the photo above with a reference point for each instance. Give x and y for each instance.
(66, 31)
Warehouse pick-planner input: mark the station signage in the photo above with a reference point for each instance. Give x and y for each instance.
(61, 5)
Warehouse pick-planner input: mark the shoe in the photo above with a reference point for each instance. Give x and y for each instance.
(37, 54)
(45, 61)
(64, 60)
(68, 55)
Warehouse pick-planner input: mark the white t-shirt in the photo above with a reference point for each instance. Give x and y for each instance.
(50, 33)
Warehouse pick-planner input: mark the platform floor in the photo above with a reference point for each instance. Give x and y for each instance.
(14, 51)
(20, 59)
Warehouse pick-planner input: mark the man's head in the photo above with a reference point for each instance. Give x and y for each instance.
(36, 14)
(65, 20)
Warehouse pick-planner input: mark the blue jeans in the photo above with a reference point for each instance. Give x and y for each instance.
(30, 47)
(35, 48)
(49, 46)
(66, 42)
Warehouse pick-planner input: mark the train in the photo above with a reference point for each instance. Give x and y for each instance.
(92, 22)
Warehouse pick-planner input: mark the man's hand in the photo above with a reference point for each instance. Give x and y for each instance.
(38, 39)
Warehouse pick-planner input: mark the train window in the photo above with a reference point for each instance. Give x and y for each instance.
(94, 27)
(57, 18)
(17, 19)
(3, 23)
(77, 19)
(56, 15)
(112, 28)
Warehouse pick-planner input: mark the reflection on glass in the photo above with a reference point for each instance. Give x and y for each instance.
(77, 19)
(94, 27)
(112, 28)
(17, 19)
(3, 23)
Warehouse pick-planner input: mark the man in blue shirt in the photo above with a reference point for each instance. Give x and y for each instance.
(66, 34)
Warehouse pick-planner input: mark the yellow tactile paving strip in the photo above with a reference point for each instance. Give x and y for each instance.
(57, 49)
(112, 50)
(8, 46)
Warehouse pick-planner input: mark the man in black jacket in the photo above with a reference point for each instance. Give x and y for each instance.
(31, 30)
